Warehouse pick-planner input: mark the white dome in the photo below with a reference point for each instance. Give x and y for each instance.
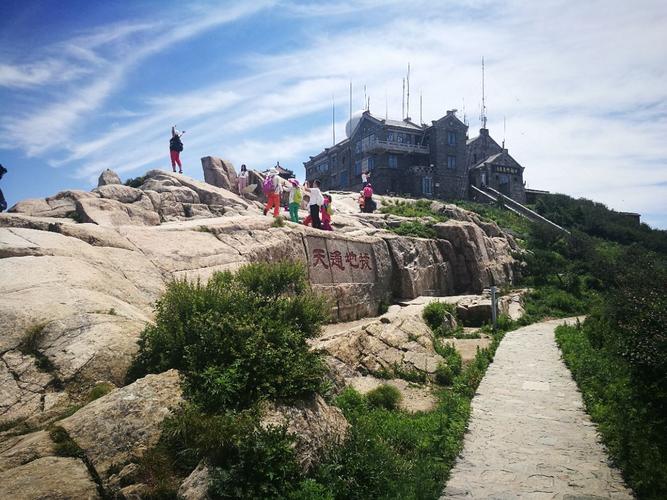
(353, 122)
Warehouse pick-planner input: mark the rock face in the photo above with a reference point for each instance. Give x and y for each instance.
(220, 173)
(118, 428)
(398, 344)
(112, 433)
(49, 477)
(108, 177)
(315, 424)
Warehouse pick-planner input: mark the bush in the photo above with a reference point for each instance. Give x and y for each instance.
(451, 367)
(238, 339)
(417, 229)
(632, 426)
(434, 314)
(419, 208)
(384, 396)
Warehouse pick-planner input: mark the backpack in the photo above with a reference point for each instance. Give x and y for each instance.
(175, 144)
(267, 185)
(298, 196)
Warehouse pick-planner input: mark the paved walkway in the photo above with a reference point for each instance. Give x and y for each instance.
(529, 436)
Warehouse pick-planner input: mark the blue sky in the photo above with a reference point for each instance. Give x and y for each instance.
(91, 85)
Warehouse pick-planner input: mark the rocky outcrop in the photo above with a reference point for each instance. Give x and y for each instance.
(315, 425)
(117, 429)
(49, 477)
(220, 173)
(397, 344)
(108, 177)
(195, 486)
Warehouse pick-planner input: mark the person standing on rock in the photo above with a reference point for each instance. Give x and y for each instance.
(273, 187)
(243, 179)
(368, 199)
(3, 202)
(295, 197)
(315, 202)
(365, 178)
(175, 148)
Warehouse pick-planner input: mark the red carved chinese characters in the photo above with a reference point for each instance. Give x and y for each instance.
(336, 260)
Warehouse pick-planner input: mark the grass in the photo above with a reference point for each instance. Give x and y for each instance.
(419, 208)
(30, 346)
(631, 428)
(505, 219)
(64, 445)
(418, 229)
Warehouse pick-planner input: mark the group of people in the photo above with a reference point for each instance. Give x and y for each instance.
(319, 205)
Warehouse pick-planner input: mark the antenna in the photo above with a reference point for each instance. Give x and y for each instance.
(368, 103)
(365, 98)
(504, 131)
(350, 106)
(483, 115)
(465, 120)
(421, 109)
(333, 118)
(403, 101)
(408, 101)
(386, 105)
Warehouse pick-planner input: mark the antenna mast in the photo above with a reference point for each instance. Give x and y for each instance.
(403, 101)
(365, 98)
(504, 131)
(333, 118)
(350, 106)
(421, 109)
(483, 116)
(386, 105)
(408, 101)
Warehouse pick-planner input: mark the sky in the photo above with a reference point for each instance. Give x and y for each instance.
(578, 90)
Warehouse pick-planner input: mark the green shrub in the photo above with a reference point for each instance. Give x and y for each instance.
(434, 314)
(101, 389)
(630, 422)
(451, 367)
(135, 182)
(384, 396)
(239, 338)
(419, 208)
(417, 229)
(278, 221)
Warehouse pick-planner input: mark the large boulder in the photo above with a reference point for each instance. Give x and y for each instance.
(398, 344)
(49, 478)
(117, 429)
(316, 425)
(108, 177)
(62, 204)
(106, 212)
(220, 173)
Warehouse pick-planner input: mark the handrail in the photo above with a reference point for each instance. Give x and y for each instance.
(516, 207)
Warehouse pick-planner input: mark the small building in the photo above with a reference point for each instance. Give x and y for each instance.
(417, 160)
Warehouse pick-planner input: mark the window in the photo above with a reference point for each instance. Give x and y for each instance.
(343, 179)
(371, 163)
(451, 138)
(451, 162)
(357, 167)
(323, 167)
(393, 161)
(427, 185)
(390, 137)
(357, 147)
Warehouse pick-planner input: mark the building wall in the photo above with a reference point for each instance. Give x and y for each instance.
(448, 182)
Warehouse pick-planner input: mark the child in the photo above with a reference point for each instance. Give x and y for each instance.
(295, 197)
(361, 201)
(327, 212)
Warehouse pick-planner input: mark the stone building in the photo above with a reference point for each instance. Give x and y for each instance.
(405, 158)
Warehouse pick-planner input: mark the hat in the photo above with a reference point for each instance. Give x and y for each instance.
(294, 182)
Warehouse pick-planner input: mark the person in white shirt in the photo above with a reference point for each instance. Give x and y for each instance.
(243, 179)
(316, 201)
(365, 176)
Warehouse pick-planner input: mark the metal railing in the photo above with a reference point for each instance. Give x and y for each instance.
(401, 147)
(516, 207)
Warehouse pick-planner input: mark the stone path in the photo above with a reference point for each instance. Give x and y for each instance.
(529, 435)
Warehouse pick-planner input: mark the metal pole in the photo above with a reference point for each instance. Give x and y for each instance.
(494, 307)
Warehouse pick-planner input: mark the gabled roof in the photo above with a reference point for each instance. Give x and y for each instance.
(490, 160)
(407, 124)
